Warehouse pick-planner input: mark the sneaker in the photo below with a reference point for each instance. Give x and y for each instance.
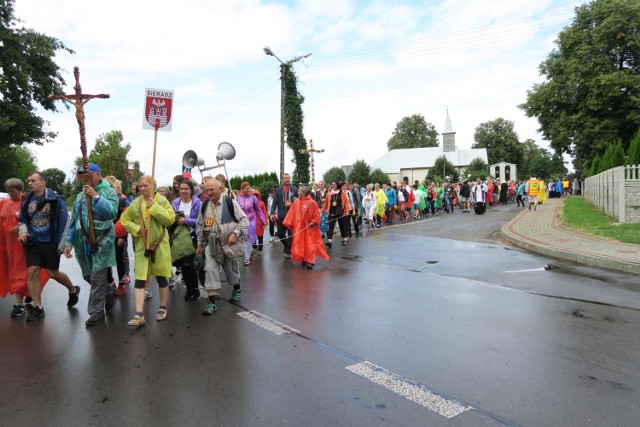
(126, 279)
(122, 289)
(18, 310)
(74, 297)
(93, 320)
(209, 309)
(235, 294)
(108, 301)
(287, 256)
(247, 261)
(35, 313)
(172, 282)
(148, 294)
(308, 266)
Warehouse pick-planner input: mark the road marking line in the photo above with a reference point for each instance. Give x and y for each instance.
(268, 323)
(409, 389)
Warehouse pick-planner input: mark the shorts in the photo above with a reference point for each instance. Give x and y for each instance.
(533, 199)
(464, 199)
(43, 255)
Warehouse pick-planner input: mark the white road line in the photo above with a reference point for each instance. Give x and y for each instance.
(409, 389)
(268, 323)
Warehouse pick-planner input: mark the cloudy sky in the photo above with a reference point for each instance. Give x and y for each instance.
(372, 63)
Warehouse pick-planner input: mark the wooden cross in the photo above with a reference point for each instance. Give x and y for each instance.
(78, 99)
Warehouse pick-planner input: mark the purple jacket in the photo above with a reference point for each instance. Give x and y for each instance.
(190, 217)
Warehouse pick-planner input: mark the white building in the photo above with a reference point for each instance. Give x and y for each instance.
(415, 163)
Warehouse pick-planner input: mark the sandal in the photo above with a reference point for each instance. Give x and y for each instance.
(162, 314)
(136, 321)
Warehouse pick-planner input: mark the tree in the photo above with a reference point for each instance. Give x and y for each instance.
(634, 151)
(478, 168)
(530, 150)
(111, 155)
(500, 140)
(413, 132)
(55, 179)
(293, 125)
(29, 75)
(360, 173)
(546, 166)
(334, 174)
(17, 162)
(592, 77)
(378, 176)
(442, 168)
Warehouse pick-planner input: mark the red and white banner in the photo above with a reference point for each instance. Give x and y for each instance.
(157, 109)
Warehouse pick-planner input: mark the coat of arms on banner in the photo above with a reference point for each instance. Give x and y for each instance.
(158, 103)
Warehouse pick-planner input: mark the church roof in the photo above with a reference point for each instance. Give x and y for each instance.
(420, 158)
(447, 125)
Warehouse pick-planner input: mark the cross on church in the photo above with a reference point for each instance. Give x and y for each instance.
(78, 99)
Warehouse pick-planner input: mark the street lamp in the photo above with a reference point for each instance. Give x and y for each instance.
(267, 50)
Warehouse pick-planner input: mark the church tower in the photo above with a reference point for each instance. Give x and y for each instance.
(448, 136)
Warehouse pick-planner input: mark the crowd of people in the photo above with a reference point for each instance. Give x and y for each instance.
(202, 231)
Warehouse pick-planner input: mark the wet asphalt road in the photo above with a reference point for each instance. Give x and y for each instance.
(507, 337)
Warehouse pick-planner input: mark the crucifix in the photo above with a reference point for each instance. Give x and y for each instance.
(78, 99)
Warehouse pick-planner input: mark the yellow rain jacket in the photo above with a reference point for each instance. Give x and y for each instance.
(160, 215)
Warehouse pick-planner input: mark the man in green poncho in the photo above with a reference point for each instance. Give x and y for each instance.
(94, 262)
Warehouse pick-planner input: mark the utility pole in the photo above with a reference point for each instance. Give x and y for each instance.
(267, 50)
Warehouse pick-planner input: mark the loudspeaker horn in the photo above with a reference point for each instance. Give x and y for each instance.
(191, 159)
(226, 151)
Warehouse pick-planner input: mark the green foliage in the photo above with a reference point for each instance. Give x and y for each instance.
(595, 166)
(634, 151)
(413, 132)
(592, 78)
(55, 179)
(361, 173)
(378, 176)
(17, 162)
(530, 150)
(546, 166)
(293, 125)
(501, 142)
(111, 154)
(334, 174)
(442, 168)
(29, 76)
(262, 182)
(478, 168)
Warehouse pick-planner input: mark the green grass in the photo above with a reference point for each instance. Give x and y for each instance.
(580, 215)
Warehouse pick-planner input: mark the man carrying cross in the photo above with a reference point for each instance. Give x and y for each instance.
(95, 260)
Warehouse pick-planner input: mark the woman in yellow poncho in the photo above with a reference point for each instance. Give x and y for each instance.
(542, 194)
(381, 200)
(152, 212)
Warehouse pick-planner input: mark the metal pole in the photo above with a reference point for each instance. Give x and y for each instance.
(281, 121)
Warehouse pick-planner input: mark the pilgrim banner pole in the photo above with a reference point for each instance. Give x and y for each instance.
(157, 116)
(78, 99)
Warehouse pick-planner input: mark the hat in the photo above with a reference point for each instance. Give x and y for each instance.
(93, 168)
(186, 175)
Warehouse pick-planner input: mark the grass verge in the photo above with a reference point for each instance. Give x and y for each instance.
(580, 215)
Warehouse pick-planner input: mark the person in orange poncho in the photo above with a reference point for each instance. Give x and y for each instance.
(13, 265)
(304, 219)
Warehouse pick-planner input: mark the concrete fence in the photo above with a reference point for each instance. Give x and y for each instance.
(617, 192)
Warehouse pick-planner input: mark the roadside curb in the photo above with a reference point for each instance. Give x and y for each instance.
(517, 234)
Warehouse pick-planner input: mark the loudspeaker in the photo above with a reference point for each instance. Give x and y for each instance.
(191, 159)
(225, 151)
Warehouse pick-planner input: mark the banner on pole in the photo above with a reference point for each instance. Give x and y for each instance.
(157, 107)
